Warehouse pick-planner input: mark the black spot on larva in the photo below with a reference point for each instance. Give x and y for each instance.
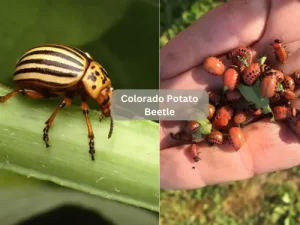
(92, 77)
(93, 67)
(97, 73)
(94, 87)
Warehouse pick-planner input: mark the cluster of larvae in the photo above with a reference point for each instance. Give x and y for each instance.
(230, 111)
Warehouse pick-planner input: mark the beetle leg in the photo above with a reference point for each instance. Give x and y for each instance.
(9, 95)
(65, 103)
(85, 110)
(27, 92)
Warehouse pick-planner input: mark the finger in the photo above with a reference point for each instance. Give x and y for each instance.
(239, 22)
(282, 24)
(269, 147)
(194, 79)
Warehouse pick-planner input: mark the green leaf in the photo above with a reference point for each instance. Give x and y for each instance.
(25, 198)
(120, 35)
(251, 94)
(126, 166)
(39, 21)
(262, 60)
(286, 198)
(205, 127)
(279, 87)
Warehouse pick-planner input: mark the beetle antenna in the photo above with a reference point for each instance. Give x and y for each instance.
(111, 127)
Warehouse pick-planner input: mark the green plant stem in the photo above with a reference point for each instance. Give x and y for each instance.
(126, 166)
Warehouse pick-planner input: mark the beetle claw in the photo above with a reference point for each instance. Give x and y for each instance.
(46, 136)
(92, 148)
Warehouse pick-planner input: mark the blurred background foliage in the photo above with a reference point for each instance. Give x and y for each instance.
(264, 200)
(120, 35)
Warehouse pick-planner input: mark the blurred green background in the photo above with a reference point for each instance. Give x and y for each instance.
(264, 200)
(120, 35)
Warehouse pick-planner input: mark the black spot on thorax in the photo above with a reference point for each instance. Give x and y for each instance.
(92, 77)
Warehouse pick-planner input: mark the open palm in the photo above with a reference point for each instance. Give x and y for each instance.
(269, 146)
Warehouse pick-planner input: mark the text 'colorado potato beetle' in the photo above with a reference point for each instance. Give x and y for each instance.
(54, 70)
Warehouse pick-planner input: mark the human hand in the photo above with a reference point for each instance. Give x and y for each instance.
(269, 146)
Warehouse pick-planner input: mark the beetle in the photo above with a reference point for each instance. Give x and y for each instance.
(240, 117)
(288, 83)
(56, 70)
(267, 88)
(281, 54)
(194, 150)
(211, 111)
(251, 74)
(192, 126)
(296, 76)
(236, 137)
(214, 137)
(214, 66)
(241, 56)
(231, 78)
(234, 96)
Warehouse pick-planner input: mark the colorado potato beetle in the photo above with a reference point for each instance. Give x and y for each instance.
(267, 87)
(283, 112)
(234, 96)
(214, 137)
(194, 150)
(214, 98)
(54, 70)
(192, 126)
(225, 111)
(231, 78)
(296, 76)
(251, 73)
(223, 116)
(288, 83)
(236, 137)
(281, 54)
(211, 111)
(289, 95)
(239, 117)
(241, 56)
(214, 66)
(220, 122)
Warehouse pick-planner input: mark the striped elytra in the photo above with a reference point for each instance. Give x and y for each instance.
(54, 70)
(60, 67)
